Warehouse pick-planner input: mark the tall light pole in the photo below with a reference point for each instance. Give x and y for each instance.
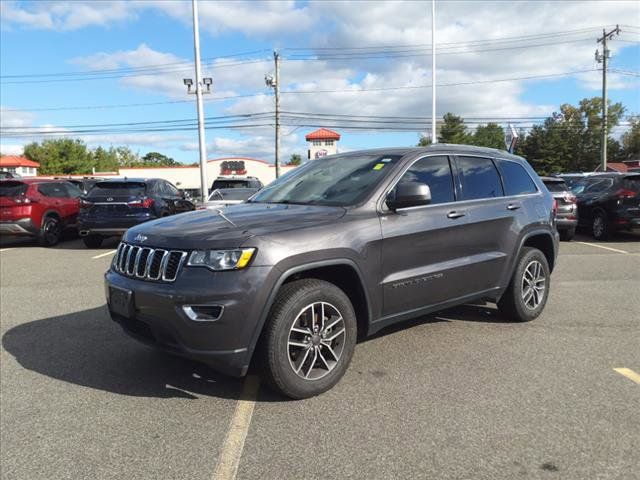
(275, 84)
(603, 58)
(434, 138)
(204, 189)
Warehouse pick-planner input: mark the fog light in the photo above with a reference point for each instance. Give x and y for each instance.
(203, 313)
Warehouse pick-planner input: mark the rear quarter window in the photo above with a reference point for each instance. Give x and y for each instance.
(632, 183)
(517, 180)
(53, 190)
(556, 186)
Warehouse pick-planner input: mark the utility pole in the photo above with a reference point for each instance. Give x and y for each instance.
(434, 138)
(204, 189)
(603, 59)
(275, 84)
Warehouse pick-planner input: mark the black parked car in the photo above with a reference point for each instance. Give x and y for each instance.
(113, 206)
(84, 184)
(567, 204)
(608, 202)
(342, 246)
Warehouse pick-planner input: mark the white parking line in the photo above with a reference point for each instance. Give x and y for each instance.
(231, 454)
(5, 249)
(104, 254)
(602, 246)
(630, 374)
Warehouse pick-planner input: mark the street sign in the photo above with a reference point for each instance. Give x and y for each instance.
(510, 138)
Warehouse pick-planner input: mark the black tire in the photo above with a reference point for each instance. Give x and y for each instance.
(50, 232)
(278, 365)
(93, 241)
(567, 235)
(512, 304)
(600, 228)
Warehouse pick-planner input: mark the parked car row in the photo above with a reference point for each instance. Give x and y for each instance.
(96, 209)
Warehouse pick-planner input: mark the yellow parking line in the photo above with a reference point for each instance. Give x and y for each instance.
(104, 254)
(602, 246)
(630, 374)
(229, 459)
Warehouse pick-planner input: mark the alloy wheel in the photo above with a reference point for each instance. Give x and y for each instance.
(316, 340)
(533, 284)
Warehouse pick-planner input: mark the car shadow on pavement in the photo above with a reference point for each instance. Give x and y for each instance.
(87, 348)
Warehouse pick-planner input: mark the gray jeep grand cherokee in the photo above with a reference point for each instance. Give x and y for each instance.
(338, 248)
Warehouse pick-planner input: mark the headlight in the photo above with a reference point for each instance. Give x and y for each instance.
(221, 259)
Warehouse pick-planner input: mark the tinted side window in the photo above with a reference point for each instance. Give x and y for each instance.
(480, 178)
(435, 172)
(54, 190)
(516, 179)
(170, 189)
(72, 190)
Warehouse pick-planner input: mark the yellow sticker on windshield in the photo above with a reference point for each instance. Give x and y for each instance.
(378, 166)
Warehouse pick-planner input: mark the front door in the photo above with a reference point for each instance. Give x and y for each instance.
(424, 249)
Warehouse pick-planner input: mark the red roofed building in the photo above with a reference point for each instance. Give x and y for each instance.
(20, 165)
(322, 142)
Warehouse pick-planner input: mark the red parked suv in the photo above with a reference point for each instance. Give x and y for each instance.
(39, 208)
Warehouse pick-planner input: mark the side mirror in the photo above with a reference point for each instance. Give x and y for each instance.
(409, 194)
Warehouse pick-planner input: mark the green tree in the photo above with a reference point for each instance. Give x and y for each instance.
(155, 159)
(126, 157)
(631, 140)
(490, 135)
(425, 141)
(60, 156)
(453, 130)
(105, 160)
(295, 159)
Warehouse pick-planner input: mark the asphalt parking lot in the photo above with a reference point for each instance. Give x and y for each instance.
(461, 394)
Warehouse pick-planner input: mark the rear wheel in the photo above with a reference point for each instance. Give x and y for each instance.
(527, 293)
(93, 241)
(309, 338)
(600, 228)
(567, 235)
(50, 232)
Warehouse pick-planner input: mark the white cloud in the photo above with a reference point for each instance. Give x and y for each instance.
(63, 16)
(14, 118)
(11, 149)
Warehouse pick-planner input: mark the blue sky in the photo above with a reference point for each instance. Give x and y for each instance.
(486, 48)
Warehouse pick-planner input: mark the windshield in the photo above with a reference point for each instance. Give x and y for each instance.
(555, 186)
(12, 189)
(338, 180)
(218, 184)
(117, 189)
(591, 185)
(232, 194)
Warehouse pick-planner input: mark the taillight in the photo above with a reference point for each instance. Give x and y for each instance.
(142, 203)
(25, 200)
(554, 209)
(625, 193)
(570, 198)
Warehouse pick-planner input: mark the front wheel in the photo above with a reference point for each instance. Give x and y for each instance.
(309, 338)
(527, 293)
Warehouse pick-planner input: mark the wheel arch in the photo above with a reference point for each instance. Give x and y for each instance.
(543, 241)
(342, 272)
(50, 214)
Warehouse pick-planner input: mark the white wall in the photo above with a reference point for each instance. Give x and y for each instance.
(316, 151)
(189, 177)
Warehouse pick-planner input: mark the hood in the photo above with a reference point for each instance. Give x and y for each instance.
(229, 227)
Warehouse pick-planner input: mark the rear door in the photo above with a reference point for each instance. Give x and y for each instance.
(59, 199)
(424, 248)
(490, 233)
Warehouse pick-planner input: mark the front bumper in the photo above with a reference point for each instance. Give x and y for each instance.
(157, 318)
(24, 226)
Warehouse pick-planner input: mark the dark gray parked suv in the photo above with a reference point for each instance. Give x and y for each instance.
(338, 248)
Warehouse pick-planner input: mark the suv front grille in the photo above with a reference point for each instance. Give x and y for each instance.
(148, 263)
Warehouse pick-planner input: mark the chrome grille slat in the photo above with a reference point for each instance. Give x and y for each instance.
(146, 263)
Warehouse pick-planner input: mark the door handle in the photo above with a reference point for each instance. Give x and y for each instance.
(455, 214)
(513, 206)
